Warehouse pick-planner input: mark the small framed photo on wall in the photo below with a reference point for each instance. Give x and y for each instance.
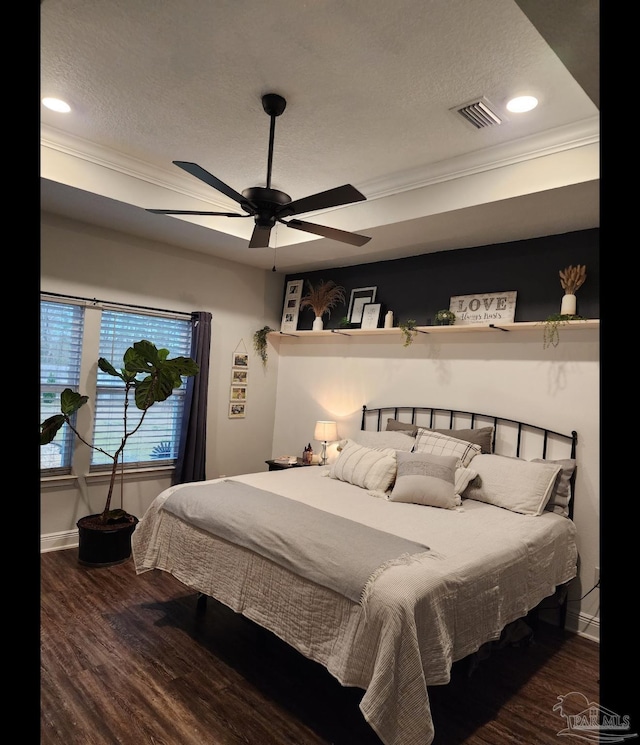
(238, 393)
(240, 359)
(238, 376)
(236, 410)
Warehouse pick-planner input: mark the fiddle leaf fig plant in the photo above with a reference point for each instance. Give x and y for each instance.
(161, 376)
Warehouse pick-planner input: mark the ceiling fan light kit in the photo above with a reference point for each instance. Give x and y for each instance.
(270, 206)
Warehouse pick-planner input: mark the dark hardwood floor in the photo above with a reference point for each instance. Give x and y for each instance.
(127, 660)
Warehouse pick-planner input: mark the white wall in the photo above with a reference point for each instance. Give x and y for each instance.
(81, 260)
(506, 374)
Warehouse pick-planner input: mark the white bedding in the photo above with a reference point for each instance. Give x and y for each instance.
(487, 567)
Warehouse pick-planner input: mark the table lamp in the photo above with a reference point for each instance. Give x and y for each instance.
(325, 432)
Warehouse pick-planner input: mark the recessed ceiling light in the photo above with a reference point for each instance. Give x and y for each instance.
(55, 104)
(522, 103)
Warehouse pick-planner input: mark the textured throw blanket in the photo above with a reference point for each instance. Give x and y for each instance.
(330, 550)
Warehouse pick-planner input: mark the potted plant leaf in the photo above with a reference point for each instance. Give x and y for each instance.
(148, 374)
(408, 329)
(321, 299)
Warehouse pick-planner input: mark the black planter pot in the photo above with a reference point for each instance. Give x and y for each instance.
(104, 545)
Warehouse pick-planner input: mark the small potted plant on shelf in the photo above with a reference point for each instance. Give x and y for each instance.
(321, 299)
(571, 279)
(105, 537)
(260, 343)
(445, 317)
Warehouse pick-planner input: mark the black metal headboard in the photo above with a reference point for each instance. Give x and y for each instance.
(510, 437)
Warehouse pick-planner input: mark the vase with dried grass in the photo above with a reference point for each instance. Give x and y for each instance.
(571, 279)
(322, 298)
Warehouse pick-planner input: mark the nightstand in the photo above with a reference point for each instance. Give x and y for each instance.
(275, 465)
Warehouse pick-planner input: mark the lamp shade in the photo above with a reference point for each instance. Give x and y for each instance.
(326, 431)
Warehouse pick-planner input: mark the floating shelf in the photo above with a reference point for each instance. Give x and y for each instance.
(434, 330)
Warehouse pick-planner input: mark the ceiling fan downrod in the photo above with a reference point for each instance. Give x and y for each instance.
(274, 105)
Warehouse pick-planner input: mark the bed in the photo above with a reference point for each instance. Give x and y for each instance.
(428, 535)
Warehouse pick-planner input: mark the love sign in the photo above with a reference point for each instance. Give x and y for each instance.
(483, 309)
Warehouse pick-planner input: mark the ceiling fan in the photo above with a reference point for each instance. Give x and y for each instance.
(268, 206)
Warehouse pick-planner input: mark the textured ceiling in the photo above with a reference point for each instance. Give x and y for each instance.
(371, 89)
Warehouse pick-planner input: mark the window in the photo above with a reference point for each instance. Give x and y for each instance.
(65, 335)
(61, 330)
(158, 437)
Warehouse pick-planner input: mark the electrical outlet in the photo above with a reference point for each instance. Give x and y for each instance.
(596, 576)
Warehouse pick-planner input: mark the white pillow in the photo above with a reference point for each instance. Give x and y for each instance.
(561, 492)
(428, 441)
(382, 440)
(424, 478)
(374, 470)
(513, 483)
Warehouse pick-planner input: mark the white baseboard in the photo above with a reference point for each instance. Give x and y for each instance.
(58, 541)
(578, 623)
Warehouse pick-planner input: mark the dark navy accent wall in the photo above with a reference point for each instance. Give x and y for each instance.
(418, 286)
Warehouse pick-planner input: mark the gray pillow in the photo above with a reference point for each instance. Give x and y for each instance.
(396, 426)
(381, 440)
(482, 436)
(427, 479)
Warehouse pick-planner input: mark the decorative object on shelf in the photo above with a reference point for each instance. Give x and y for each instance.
(408, 329)
(105, 538)
(344, 323)
(260, 344)
(359, 298)
(445, 317)
(321, 299)
(291, 307)
(571, 278)
(370, 316)
(325, 432)
(484, 308)
(550, 333)
(388, 320)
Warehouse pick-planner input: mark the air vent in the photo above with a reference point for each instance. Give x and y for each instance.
(479, 114)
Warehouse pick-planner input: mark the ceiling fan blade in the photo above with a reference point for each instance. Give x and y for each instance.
(195, 212)
(195, 170)
(337, 235)
(346, 194)
(260, 237)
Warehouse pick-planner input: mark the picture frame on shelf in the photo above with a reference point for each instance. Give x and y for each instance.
(237, 410)
(371, 315)
(291, 309)
(360, 296)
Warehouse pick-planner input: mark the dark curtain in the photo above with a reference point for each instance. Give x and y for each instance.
(190, 465)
